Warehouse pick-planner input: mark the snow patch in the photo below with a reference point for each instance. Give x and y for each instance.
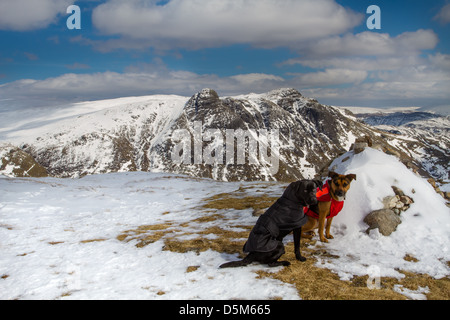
(58, 241)
(423, 232)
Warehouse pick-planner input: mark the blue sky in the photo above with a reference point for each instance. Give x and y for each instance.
(323, 48)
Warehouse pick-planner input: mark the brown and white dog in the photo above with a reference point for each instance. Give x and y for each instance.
(330, 203)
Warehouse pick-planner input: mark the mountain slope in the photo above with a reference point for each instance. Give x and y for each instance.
(424, 136)
(113, 139)
(294, 137)
(396, 118)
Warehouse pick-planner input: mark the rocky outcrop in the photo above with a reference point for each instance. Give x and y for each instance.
(17, 163)
(388, 218)
(361, 143)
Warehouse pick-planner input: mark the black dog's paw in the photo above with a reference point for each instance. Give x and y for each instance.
(279, 263)
(299, 257)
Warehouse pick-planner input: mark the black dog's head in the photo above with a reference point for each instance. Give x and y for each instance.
(306, 191)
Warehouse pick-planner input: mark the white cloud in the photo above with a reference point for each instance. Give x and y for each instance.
(330, 77)
(399, 74)
(252, 78)
(358, 63)
(197, 24)
(371, 56)
(378, 67)
(373, 44)
(444, 14)
(137, 80)
(424, 84)
(440, 61)
(23, 15)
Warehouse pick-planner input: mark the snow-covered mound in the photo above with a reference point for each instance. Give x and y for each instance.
(423, 233)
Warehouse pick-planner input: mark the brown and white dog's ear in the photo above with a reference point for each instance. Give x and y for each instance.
(351, 177)
(332, 174)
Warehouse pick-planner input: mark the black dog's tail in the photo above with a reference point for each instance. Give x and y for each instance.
(235, 264)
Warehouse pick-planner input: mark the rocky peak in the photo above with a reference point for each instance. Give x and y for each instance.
(202, 102)
(204, 98)
(283, 93)
(285, 98)
(207, 93)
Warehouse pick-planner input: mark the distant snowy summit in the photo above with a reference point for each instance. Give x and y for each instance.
(397, 118)
(153, 133)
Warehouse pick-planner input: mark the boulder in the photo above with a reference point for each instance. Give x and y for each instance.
(362, 143)
(385, 220)
(406, 200)
(398, 191)
(390, 202)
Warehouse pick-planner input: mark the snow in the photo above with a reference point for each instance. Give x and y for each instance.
(8, 170)
(58, 237)
(46, 225)
(368, 110)
(412, 294)
(79, 118)
(423, 233)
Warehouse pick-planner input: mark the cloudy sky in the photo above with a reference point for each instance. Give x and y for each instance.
(323, 48)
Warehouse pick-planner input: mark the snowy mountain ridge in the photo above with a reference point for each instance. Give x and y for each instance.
(135, 134)
(396, 118)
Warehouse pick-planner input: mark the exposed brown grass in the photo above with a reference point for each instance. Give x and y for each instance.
(192, 269)
(146, 234)
(315, 283)
(410, 258)
(93, 240)
(226, 241)
(55, 242)
(312, 282)
(231, 201)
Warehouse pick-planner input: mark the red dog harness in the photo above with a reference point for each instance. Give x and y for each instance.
(324, 196)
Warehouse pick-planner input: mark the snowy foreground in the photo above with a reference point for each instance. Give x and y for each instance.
(58, 237)
(47, 224)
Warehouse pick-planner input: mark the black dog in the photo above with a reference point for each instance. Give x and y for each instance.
(265, 242)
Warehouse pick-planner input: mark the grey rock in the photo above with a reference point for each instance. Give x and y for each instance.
(385, 220)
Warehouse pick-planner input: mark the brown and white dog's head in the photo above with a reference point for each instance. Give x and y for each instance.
(340, 184)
